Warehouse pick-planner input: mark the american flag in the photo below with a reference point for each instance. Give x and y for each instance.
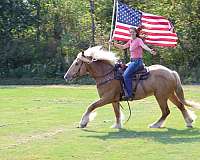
(158, 30)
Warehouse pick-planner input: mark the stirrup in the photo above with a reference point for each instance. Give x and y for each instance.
(125, 98)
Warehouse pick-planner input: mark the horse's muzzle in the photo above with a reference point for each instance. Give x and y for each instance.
(67, 77)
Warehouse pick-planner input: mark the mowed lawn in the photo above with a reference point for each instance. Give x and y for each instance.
(39, 123)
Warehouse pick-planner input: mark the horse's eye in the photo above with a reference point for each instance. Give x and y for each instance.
(76, 63)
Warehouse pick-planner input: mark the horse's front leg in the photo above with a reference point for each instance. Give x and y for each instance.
(118, 115)
(85, 118)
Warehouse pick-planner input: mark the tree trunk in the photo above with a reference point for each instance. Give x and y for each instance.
(93, 25)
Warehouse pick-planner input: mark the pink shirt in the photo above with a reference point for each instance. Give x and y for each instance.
(135, 47)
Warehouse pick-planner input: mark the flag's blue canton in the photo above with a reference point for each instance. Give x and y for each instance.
(128, 15)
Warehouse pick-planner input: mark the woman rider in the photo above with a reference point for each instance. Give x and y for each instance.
(136, 46)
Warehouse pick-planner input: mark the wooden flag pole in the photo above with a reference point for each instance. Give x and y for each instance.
(111, 28)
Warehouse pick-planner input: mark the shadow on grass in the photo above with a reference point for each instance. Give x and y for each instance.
(169, 136)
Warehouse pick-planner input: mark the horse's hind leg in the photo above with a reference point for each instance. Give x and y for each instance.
(188, 115)
(116, 108)
(165, 111)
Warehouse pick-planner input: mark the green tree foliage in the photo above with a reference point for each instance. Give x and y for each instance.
(42, 37)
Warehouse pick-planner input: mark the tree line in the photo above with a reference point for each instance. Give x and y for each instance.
(40, 38)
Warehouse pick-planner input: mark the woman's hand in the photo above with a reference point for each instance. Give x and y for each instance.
(111, 42)
(153, 52)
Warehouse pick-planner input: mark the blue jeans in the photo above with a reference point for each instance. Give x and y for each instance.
(129, 72)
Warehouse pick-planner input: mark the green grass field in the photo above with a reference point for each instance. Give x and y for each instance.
(39, 123)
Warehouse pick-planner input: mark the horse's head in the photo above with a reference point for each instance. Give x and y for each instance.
(78, 67)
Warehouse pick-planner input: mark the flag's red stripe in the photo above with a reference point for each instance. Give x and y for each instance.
(121, 39)
(161, 39)
(153, 17)
(160, 34)
(156, 28)
(122, 27)
(145, 27)
(156, 23)
(161, 44)
(122, 33)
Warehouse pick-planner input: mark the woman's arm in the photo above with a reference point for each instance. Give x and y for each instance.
(144, 46)
(120, 46)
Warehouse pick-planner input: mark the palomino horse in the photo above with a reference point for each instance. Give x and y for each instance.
(163, 83)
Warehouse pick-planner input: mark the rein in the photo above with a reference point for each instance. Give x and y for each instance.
(105, 79)
(104, 74)
(98, 76)
(129, 108)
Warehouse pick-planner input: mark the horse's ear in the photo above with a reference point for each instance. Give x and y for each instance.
(83, 54)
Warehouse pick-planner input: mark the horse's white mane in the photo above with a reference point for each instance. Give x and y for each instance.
(98, 53)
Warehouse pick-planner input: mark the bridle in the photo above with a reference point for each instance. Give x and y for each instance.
(107, 76)
(77, 73)
(85, 60)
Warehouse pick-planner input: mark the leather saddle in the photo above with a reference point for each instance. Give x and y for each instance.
(142, 73)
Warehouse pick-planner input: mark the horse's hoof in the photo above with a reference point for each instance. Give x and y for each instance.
(82, 125)
(189, 126)
(155, 126)
(116, 126)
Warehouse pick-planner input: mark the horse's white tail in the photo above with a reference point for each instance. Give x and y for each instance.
(180, 94)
